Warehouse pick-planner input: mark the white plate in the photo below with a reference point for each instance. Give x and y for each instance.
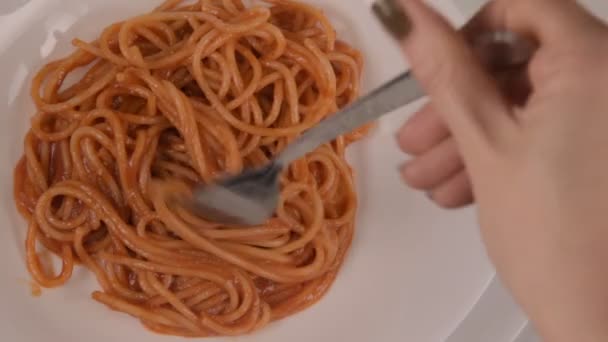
(414, 271)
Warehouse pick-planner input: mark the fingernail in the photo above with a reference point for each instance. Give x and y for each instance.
(393, 17)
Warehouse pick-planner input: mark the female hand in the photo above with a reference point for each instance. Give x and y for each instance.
(533, 161)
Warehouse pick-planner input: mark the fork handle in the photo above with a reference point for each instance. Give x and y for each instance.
(498, 48)
(400, 91)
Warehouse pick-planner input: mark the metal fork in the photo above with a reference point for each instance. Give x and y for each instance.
(252, 197)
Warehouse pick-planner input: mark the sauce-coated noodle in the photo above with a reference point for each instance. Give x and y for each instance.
(188, 93)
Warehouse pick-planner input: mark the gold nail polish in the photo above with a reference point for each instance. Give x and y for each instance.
(393, 17)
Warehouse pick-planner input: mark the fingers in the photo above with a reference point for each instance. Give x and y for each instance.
(455, 193)
(441, 173)
(434, 167)
(422, 131)
(461, 90)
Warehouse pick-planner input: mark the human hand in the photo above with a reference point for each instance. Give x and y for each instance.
(532, 161)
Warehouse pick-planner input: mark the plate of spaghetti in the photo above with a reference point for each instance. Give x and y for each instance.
(109, 101)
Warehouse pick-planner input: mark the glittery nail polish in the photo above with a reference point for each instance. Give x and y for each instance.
(393, 17)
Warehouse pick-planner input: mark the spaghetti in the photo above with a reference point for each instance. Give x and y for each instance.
(188, 93)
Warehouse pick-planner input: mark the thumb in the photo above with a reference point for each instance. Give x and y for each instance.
(460, 89)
